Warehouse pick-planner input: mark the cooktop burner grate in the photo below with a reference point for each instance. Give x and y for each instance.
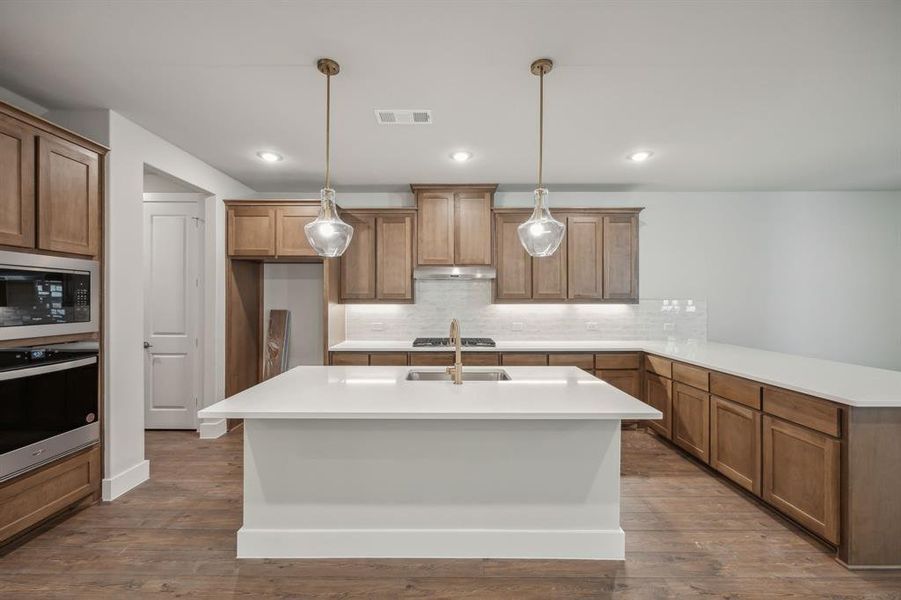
(469, 342)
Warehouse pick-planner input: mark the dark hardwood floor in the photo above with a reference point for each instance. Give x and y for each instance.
(689, 535)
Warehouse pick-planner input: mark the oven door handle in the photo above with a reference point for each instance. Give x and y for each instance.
(51, 368)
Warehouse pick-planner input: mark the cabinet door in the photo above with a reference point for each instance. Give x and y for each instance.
(658, 392)
(432, 359)
(290, 238)
(585, 257)
(472, 228)
(523, 359)
(514, 265)
(251, 231)
(345, 359)
(735, 442)
(627, 381)
(549, 275)
(68, 197)
(801, 475)
(691, 420)
(388, 359)
(16, 183)
(394, 258)
(621, 257)
(358, 261)
(435, 227)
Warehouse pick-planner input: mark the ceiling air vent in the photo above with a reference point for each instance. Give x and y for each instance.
(403, 117)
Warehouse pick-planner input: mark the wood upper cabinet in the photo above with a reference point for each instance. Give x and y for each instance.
(251, 230)
(435, 228)
(358, 263)
(394, 257)
(17, 162)
(735, 443)
(585, 257)
(691, 420)
(801, 475)
(472, 228)
(68, 197)
(453, 224)
(549, 275)
(620, 259)
(290, 237)
(514, 265)
(658, 392)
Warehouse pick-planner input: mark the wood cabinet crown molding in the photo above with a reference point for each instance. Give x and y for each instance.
(52, 128)
(456, 187)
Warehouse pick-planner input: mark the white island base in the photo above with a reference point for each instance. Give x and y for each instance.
(360, 462)
(431, 489)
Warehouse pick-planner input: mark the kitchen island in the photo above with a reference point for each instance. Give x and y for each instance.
(362, 462)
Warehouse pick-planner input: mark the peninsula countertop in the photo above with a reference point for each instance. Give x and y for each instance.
(314, 392)
(851, 385)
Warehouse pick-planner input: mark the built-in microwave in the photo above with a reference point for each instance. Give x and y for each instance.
(44, 295)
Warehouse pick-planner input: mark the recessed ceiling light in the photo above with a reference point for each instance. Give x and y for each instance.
(269, 156)
(640, 156)
(461, 155)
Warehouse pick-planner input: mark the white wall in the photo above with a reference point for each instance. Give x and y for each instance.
(810, 273)
(297, 288)
(133, 147)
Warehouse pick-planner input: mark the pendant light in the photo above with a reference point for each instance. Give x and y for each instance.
(542, 233)
(328, 234)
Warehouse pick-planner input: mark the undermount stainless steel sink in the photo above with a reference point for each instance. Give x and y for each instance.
(492, 375)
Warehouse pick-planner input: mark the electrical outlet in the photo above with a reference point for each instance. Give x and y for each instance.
(377, 326)
(517, 326)
(592, 326)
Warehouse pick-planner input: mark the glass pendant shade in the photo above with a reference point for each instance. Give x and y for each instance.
(328, 234)
(542, 233)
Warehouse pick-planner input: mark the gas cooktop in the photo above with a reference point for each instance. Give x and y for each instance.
(471, 342)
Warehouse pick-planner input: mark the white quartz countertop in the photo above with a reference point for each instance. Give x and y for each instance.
(384, 393)
(852, 385)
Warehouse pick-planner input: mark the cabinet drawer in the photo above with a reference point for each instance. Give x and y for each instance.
(801, 475)
(583, 361)
(659, 365)
(388, 359)
(627, 381)
(432, 359)
(481, 359)
(31, 498)
(804, 410)
(658, 392)
(617, 360)
(735, 389)
(350, 358)
(696, 377)
(523, 359)
(735, 443)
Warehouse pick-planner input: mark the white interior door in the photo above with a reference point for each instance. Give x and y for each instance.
(172, 296)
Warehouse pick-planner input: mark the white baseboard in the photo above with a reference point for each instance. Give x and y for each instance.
(431, 543)
(210, 429)
(128, 479)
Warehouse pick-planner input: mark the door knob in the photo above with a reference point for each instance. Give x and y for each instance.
(147, 345)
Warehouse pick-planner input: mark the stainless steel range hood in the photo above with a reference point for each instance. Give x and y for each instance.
(451, 273)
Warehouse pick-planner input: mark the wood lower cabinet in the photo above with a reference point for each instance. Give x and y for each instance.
(251, 231)
(582, 360)
(31, 498)
(523, 359)
(346, 359)
(801, 475)
(432, 359)
(627, 381)
(388, 359)
(658, 392)
(691, 420)
(68, 197)
(481, 359)
(17, 183)
(290, 237)
(735, 443)
(394, 258)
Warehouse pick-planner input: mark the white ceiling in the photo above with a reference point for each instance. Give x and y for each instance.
(728, 94)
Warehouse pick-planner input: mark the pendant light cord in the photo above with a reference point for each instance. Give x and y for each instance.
(328, 120)
(540, 126)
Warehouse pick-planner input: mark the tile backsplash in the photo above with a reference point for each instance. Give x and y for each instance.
(437, 302)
